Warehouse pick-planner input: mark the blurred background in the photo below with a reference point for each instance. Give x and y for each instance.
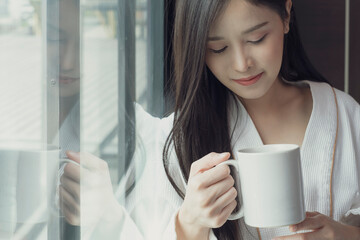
(70, 72)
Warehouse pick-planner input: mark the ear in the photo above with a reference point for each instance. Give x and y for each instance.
(288, 6)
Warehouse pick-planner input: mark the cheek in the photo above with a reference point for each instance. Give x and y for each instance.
(272, 54)
(214, 65)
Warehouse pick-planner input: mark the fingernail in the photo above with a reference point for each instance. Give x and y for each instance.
(222, 155)
(293, 228)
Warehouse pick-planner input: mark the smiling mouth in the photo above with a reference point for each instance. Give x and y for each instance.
(249, 81)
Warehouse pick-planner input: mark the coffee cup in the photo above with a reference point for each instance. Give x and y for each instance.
(270, 185)
(29, 179)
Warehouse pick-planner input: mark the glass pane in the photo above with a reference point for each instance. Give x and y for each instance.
(99, 97)
(64, 77)
(28, 160)
(21, 93)
(71, 72)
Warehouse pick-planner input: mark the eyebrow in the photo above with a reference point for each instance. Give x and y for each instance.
(256, 27)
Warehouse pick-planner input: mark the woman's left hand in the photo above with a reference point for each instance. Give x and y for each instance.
(322, 227)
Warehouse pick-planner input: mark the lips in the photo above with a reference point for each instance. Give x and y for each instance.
(67, 80)
(249, 81)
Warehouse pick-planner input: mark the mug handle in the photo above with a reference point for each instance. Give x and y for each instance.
(66, 160)
(240, 212)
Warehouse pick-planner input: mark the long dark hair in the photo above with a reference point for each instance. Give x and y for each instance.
(200, 116)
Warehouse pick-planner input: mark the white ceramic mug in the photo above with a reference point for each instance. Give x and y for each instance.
(28, 182)
(271, 185)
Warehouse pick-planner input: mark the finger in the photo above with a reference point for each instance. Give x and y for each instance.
(216, 174)
(226, 211)
(301, 236)
(293, 228)
(67, 199)
(72, 171)
(71, 187)
(310, 223)
(75, 156)
(71, 218)
(220, 188)
(208, 162)
(312, 214)
(226, 198)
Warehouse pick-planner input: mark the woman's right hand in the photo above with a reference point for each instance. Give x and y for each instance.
(209, 199)
(92, 194)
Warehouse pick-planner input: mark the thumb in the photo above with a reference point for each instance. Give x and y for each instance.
(207, 162)
(74, 156)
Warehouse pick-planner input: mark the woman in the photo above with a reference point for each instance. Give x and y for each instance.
(239, 71)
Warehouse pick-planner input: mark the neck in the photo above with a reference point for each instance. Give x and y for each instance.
(65, 104)
(282, 114)
(271, 102)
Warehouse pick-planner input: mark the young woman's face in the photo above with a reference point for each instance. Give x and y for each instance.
(245, 48)
(64, 48)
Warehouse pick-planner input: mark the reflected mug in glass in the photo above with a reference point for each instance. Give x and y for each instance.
(271, 185)
(29, 179)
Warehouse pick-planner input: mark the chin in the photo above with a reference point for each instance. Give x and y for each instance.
(251, 94)
(68, 93)
(69, 90)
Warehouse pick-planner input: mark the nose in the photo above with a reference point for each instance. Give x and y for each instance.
(241, 61)
(69, 57)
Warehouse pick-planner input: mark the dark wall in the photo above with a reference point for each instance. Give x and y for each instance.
(322, 28)
(354, 85)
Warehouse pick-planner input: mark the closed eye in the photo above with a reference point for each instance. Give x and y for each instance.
(258, 41)
(218, 50)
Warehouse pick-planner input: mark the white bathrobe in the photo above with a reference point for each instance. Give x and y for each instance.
(154, 203)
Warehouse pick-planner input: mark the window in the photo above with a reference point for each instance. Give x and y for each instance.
(70, 73)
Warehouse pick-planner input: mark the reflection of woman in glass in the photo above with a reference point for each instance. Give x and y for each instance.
(243, 79)
(63, 75)
(88, 201)
(63, 41)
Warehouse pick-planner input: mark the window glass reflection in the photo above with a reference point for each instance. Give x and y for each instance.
(63, 98)
(20, 58)
(27, 180)
(73, 72)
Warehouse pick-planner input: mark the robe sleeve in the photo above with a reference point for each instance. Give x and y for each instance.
(170, 232)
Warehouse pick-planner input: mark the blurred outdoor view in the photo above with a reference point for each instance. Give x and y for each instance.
(25, 64)
(62, 76)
